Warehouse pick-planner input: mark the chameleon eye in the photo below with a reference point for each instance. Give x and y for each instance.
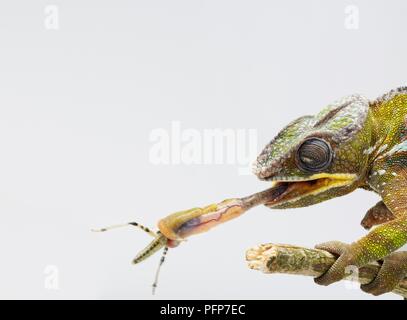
(314, 155)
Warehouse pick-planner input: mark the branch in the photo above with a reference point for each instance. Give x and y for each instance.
(281, 258)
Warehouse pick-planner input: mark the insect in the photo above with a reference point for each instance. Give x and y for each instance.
(176, 227)
(159, 242)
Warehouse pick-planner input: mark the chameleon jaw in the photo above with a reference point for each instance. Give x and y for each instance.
(297, 189)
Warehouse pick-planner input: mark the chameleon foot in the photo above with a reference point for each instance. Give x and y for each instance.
(337, 271)
(394, 269)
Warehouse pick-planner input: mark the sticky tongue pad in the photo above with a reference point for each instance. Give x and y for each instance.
(223, 212)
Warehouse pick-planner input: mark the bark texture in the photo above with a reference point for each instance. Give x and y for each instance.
(281, 258)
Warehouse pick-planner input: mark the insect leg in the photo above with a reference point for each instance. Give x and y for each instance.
(155, 245)
(159, 268)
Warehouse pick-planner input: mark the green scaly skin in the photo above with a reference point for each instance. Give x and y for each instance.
(368, 141)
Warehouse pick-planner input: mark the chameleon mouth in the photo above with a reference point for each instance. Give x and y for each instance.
(295, 190)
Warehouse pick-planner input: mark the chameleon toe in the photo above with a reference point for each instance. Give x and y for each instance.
(393, 270)
(337, 271)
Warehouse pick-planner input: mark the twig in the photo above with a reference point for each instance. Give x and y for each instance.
(281, 258)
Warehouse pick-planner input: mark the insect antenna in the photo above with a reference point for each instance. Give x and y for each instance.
(134, 224)
(159, 268)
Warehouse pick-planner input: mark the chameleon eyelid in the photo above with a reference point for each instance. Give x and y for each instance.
(320, 145)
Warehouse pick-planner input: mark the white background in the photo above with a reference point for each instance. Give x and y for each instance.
(78, 104)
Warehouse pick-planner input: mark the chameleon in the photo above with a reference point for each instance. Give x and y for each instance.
(352, 143)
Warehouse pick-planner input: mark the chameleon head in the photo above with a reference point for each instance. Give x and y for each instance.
(319, 157)
(180, 225)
